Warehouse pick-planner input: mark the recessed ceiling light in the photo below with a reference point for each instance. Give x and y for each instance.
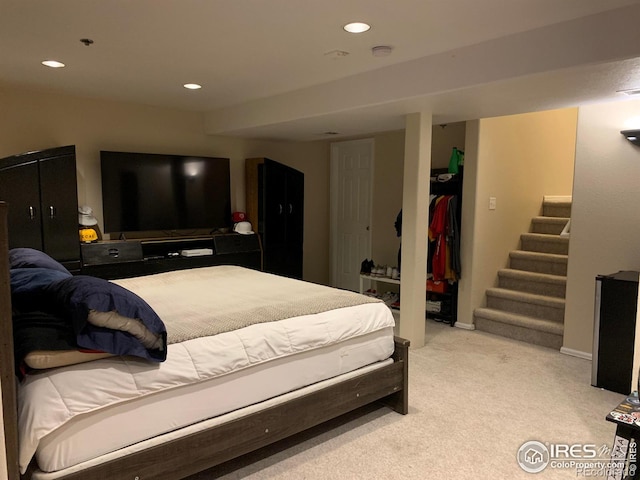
(192, 86)
(357, 27)
(53, 64)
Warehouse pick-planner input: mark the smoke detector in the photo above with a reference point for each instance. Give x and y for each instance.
(381, 51)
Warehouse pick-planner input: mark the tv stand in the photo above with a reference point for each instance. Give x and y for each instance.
(113, 259)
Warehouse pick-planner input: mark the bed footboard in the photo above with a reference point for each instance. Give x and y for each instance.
(399, 401)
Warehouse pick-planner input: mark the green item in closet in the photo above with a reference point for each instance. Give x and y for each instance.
(456, 160)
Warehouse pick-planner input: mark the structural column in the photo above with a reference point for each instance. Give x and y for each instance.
(415, 219)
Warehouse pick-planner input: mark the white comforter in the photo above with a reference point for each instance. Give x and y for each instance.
(51, 398)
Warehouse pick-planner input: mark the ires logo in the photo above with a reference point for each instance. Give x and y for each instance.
(534, 456)
(560, 451)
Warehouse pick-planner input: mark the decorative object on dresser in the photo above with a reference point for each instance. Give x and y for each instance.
(41, 189)
(275, 207)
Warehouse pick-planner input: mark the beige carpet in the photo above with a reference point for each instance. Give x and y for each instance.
(475, 399)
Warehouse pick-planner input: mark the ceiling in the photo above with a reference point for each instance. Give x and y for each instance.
(270, 68)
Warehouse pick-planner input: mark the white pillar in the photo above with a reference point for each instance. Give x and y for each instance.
(415, 219)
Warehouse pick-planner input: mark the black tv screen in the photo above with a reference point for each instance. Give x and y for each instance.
(144, 191)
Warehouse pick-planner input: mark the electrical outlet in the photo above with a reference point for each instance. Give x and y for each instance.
(492, 203)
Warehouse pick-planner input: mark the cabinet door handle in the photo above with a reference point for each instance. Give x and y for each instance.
(52, 212)
(32, 212)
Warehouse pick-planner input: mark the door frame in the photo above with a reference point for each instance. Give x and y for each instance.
(333, 197)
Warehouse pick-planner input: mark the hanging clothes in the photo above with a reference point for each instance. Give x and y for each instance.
(444, 259)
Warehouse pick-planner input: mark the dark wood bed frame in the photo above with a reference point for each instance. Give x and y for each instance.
(194, 453)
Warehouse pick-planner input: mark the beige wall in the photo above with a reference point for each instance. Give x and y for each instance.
(517, 159)
(443, 139)
(33, 120)
(605, 218)
(388, 178)
(387, 199)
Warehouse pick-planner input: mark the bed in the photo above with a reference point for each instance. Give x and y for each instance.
(292, 371)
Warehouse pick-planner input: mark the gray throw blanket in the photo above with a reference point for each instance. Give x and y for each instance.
(208, 301)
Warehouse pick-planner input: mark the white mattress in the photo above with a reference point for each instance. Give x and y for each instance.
(266, 360)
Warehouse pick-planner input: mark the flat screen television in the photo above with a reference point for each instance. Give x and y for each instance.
(156, 192)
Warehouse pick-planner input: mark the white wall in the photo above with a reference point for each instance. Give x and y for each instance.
(605, 219)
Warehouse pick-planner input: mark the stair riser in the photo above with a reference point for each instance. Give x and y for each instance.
(556, 210)
(519, 333)
(541, 246)
(525, 308)
(529, 286)
(536, 266)
(548, 228)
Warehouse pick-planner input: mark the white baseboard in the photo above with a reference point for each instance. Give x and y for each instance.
(465, 326)
(576, 353)
(557, 198)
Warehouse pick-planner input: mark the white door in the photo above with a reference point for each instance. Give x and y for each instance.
(351, 199)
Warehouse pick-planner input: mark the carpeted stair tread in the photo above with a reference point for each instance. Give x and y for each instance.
(554, 220)
(556, 207)
(528, 304)
(548, 225)
(551, 263)
(526, 297)
(539, 256)
(532, 282)
(520, 320)
(533, 276)
(545, 237)
(544, 243)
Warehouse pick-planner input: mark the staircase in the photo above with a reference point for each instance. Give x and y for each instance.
(528, 303)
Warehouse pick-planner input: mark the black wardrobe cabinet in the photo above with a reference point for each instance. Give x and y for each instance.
(41, 191)
(275, 208)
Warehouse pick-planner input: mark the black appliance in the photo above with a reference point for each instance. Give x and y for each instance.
(614, 333)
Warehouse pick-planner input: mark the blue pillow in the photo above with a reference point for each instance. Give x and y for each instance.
(32, 258)
(76, 296)
(27, 286)
(27, 280)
